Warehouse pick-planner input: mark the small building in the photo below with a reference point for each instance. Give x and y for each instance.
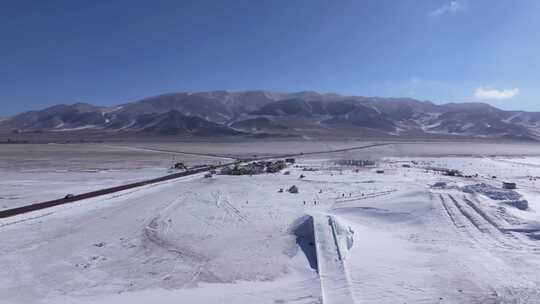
(380, 171)
(508, 185)
(290, 160)
(293, 189)
(208, 175)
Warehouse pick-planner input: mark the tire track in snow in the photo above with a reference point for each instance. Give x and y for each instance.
(229, 208)
(510, 236)
(491, 242)
(449, 213)
(491, 233)
(158, 227)
(470, 234)
(466, 222)
(483, 214)
(469, 216)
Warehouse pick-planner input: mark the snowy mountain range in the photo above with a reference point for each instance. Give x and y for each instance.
(264, 113)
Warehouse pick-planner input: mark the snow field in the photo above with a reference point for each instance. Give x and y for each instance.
(379, 238)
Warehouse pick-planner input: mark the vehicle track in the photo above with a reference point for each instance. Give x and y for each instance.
(514, 254)
(449, 213)
(483, 214)
(506, 234)
(470, 216)
(466, 216)
(158, 227)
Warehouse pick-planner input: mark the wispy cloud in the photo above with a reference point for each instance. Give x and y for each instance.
(449, 8)
(494, 94)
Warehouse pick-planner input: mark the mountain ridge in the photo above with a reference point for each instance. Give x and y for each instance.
(260, 112)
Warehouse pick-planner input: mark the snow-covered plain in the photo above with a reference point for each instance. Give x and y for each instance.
(19, 188)
(35, 173)
(351, 235)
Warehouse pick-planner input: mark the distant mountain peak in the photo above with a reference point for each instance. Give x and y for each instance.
(303, 114)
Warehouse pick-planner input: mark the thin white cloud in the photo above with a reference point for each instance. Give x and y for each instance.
(449, 8)
(494, 94)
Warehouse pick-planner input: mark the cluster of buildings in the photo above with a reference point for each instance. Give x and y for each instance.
(356, 162)
(253, 168)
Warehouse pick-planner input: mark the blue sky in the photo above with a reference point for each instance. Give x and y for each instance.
(108, 52)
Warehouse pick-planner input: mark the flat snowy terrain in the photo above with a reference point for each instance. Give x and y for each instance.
(34, 173)
(406, 234)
